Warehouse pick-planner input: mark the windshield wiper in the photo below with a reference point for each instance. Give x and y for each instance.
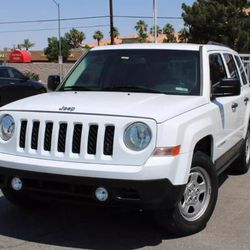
(75, 88)
(129, 88)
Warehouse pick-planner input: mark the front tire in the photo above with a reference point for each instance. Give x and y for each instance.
(198, 201)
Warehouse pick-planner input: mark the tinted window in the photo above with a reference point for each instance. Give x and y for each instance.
(217, 69)
(241, 68)
(16, 74)
(4, 73)
(231, 65)
(167, 71)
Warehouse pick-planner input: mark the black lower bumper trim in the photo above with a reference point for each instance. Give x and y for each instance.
(149, 194)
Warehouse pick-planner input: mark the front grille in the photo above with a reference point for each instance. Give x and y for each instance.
(66, 137)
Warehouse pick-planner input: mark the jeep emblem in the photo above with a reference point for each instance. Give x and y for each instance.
(70, 109)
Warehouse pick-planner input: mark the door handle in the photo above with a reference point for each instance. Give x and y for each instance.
(234, 106)
(12, 83)
(246, 100)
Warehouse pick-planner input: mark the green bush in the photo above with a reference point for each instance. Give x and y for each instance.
(32, 75)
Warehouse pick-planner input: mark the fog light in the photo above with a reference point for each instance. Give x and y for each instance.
(101, 194)
(16, 184)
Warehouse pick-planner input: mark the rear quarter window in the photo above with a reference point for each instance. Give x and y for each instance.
(232, 68)
(241, 69)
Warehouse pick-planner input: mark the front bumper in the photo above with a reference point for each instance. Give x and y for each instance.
(146, 194)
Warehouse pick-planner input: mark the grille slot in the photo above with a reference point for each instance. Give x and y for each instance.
(34, 136)
(62, 137)
(92, 139)
(22, 134)
(48, 136)
(109, 140)
(77, 135)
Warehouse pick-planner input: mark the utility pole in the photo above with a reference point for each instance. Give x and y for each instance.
(60, 58)
(111, 22)
(155, 20)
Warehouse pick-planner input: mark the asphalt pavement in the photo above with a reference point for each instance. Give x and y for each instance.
(61, 226)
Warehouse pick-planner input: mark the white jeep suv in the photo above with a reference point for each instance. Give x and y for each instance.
(148, 126)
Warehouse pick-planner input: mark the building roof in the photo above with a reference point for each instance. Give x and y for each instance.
(128, 39)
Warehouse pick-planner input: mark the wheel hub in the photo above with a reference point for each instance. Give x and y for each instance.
(192, 194)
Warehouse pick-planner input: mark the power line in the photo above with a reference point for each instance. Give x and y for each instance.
(47, 29)
(51, 20)
(150, 17)
(83, 18)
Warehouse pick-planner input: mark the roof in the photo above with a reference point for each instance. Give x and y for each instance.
(173, 46)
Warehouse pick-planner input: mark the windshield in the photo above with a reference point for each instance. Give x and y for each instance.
(150, 71)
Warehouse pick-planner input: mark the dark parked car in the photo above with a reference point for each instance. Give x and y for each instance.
(14, 85)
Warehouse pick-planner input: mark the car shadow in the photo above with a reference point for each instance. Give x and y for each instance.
(66, 225)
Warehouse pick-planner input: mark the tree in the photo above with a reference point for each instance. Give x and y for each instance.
(184, 35)
(158, 31)
(141, 28)
(115, 32)
(52, 51)
(98, 35)
(27, 44)
(74, 38)
(219, 21)
(169, 31)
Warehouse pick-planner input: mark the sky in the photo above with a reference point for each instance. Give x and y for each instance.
(38, 32)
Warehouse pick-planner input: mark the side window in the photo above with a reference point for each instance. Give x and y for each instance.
(217, 69)
(16, 74)
(231, 65)
(4, 73)
(241, 68)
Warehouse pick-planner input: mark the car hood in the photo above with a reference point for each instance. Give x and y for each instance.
(159, 107)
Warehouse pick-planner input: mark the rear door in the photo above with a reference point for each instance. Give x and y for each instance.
(241, 100)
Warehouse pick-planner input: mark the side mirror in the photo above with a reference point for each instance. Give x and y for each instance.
(53, 82)
(227, 87)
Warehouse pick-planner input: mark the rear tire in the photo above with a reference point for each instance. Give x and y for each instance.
(241, 165)
(197, 204)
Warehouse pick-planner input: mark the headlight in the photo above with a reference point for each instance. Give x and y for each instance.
(7, 127)
(137, 136)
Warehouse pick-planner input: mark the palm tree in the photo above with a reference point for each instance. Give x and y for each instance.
(183, 35)
(158, 31)
(168, 30)
(141, 28)
(27, 44)
(98, 35)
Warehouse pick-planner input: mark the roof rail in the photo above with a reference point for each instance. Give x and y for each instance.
(216, 43)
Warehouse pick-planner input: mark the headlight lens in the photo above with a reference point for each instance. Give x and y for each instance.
(7, 127)
(137, 136)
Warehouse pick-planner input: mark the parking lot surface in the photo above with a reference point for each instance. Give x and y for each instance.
(61, 226)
